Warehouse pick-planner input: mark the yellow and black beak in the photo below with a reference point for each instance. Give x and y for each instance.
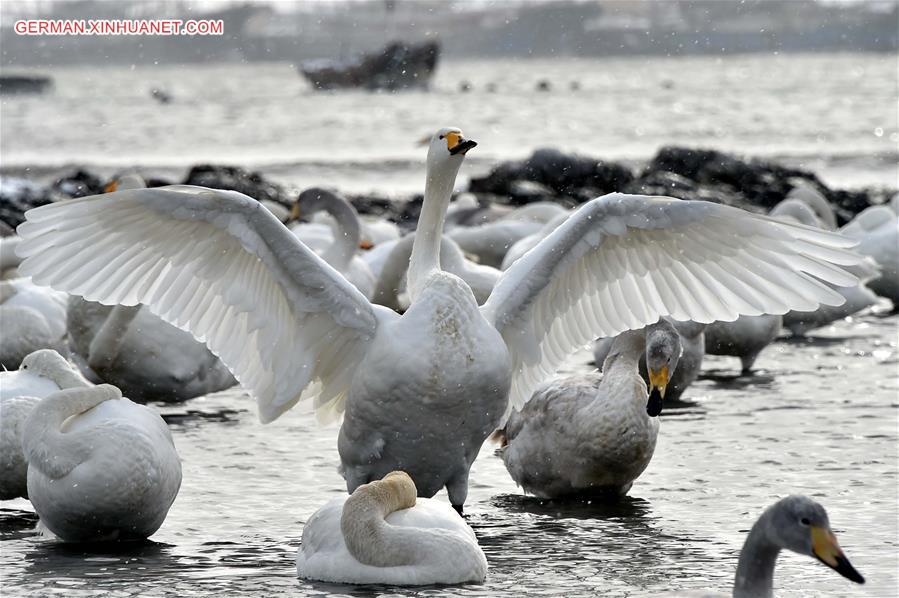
(658, 381)
(365, 244)
(295, 212)
(111, 187)
(826, 550)
(456, 144)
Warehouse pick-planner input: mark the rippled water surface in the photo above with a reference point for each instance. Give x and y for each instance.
(834, 113)
(819, 418)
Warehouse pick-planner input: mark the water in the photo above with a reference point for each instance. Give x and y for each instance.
(833, 113)
(820, 418)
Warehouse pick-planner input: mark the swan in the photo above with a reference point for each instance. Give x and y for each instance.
(341, 252)
(99, 466)
(857, 297)
(491, 241)
(33, 317)
(589, 434)
(795, 523)
(810, 196)
(420, 392)
(525, 244)
(9, 261)
(382, 534)
(144, 356)
(41, 374)
(877, 231)
(692, 340)
(481, 279)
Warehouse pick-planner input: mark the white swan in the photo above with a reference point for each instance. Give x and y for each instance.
(692, 340)
(145, 357)
(33, 317)
(42, 373)
(795, 523)
(810, 196)
(491, 241)
(421, 391)
(525, 244)
(342, 252)
(99, 466)
(857, 297)
(593, 435)
(391, 280)
(877, 231)
(382, 534)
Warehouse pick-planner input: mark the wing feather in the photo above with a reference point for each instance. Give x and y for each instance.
(623, 261)
(216, 264)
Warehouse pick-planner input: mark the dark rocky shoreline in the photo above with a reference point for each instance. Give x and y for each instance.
(547, 175)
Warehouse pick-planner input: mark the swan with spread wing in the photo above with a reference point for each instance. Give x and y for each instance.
(422, 391)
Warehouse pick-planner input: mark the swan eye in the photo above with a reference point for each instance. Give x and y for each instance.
(805, 521)
(441, 136)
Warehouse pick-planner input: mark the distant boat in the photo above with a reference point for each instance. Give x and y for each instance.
(24, 84)
(398, 66)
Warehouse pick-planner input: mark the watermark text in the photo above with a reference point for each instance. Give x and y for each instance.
(119, 27)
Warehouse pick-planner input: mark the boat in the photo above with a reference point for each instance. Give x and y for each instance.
(396, 67)
(24, 84)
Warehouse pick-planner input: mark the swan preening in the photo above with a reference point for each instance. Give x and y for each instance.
(795, 523)
(591, 435)
(422, 391)
(99, 466)
(383, 534)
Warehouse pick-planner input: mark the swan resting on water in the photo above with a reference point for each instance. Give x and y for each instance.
(795, 523)
(421, 392)
(592, 435)
(382, 534)
(100, 467)
(41, 373)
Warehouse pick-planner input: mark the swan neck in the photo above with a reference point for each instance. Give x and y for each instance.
(426, 248)
(755, 571)
(46, 447)
(395, 266)
(626, 351)
(108, 341)
(347, 235)
(368, 537)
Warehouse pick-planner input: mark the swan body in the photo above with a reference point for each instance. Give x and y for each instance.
(795, 523)
(877, 231)
(591, 435)
(813, 198)
(145, 357)
(745, 337)
(422, 391)
(33, 317)
(692, 340)
(383, 534)
(99, 466)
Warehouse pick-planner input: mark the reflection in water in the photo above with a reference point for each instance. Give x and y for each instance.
(818, 419)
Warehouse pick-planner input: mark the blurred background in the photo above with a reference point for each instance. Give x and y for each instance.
(811, 83)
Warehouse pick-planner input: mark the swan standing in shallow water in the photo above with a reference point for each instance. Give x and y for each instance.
(795, 523)
(33, 318)
(422, 391)
(593, 435)
(99, 466)
(382, 534)
(41, 374)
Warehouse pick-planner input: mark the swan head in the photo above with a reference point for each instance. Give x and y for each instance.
(313, 200)
(448, 146)
(131, 180)
(663, 350)
(52, 366)
(400, 486)
(800, 524)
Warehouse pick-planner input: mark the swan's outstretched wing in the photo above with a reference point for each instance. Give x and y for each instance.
(219, 265)
(621, 261)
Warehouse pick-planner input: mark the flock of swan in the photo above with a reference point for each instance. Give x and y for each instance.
(426, 345)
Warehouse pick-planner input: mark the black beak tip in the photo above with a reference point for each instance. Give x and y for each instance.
(654, 404)
(463, 146)
(845, 568)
